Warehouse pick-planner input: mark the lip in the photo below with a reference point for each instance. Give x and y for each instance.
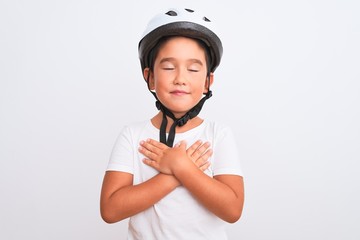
(179, 92)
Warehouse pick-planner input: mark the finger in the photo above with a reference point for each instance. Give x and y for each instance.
(190, 151)
(147, 153)
(204, 158)
(149, 146)
(151, 163)
(183, 144)
(201, 150)
(156, 144)
(205, 166)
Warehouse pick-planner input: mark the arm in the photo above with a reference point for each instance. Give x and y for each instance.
(121, 199)
(223, 195)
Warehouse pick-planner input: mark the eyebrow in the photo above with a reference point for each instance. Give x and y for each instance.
(170, 59)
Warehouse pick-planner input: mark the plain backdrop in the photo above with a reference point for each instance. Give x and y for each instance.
(288, 85)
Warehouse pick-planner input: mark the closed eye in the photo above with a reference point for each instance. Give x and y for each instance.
(194, 66)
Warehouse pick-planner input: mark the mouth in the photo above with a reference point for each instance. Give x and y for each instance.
(179, 92)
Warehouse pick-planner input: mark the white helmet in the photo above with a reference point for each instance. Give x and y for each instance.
(180, 22)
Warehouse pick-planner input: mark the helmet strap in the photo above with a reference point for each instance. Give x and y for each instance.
(193, 112)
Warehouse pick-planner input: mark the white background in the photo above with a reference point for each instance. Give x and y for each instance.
(288, 85)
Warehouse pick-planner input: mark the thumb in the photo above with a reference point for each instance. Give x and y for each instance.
(182, 144)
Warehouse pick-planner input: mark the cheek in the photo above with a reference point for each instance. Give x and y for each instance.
(203, 86)
(160, 87)
(158, 84)
(199, 91)
(161, 79)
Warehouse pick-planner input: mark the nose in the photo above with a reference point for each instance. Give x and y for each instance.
(180, 77)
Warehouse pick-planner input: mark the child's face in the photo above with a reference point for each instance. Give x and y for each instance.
(179, 77)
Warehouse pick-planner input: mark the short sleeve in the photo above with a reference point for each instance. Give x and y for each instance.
(121, 158)
(226, 155)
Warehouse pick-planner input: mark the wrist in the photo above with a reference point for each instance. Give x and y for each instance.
(170, 180)
(183, 168)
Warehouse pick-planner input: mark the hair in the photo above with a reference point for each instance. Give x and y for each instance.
(155, 50)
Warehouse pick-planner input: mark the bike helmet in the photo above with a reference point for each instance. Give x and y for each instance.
(179, 22)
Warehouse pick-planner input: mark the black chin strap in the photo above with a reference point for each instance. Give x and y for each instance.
(177, 121)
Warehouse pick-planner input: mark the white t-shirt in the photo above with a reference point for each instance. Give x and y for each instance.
(178, 215)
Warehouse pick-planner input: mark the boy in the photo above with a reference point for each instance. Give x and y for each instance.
(186, 190)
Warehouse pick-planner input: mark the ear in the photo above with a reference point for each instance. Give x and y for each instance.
(209, 81)
(148, 76)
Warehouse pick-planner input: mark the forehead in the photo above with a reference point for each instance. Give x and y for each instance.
(182, 47)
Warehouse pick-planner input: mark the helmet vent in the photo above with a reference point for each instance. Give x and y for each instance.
(206, 19)
(171, 13)
(189, 10)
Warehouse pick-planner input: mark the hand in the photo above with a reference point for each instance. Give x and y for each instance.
(200, 153)
(161, 157)
(164, 159)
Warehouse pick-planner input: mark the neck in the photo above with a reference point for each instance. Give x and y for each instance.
(194, 122)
